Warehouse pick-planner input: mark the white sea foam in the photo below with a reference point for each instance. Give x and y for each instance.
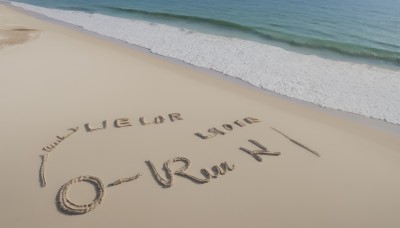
(359, 88)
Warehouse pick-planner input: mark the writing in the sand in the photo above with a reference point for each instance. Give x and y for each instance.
(126, 122)
(227, 127)
(117, 123)
(65, 204)
(164, 176)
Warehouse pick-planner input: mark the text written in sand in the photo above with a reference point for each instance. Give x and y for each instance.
(126, 122)
(66, 206)
(253, 148)
(225, 128)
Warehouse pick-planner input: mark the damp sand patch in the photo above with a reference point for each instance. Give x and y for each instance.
(10, 37)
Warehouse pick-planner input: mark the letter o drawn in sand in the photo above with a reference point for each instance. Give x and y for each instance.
(68, 207)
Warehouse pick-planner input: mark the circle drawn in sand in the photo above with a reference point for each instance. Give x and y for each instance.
(68, 207)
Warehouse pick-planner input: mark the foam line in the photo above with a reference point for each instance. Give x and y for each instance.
(352, 87)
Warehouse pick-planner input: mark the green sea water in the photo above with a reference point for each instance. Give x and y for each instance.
(367, 29)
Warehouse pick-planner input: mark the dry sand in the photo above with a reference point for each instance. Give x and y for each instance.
(54, 80)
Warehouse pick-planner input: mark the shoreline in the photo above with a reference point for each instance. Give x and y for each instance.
(305, 79)
(323, 53)
(370, 122)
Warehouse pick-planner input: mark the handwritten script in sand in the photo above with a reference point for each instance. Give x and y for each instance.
(257, 151)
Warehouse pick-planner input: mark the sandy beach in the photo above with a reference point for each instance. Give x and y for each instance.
(89, 121)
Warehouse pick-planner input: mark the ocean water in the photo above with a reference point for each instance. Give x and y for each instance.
(363, 28)
(341, 54)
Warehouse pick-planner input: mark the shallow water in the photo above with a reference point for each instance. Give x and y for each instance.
(226, 43)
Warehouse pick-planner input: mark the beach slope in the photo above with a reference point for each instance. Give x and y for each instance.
(109, 117)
